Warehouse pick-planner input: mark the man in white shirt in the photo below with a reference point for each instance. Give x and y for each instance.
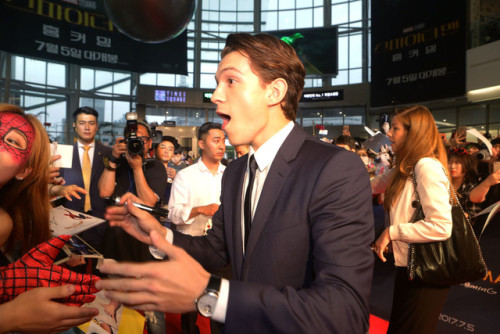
(295, 219)
(195, 194)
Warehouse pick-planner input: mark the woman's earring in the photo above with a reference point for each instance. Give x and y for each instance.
(19, 178)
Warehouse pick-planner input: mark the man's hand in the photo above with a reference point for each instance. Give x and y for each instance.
(171, 173)
(169, 286)
(119, 147)
(35, 311)
(135, 161)
(136, 222)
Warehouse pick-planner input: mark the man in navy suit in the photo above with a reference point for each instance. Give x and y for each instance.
(85, 123)
(298, 239)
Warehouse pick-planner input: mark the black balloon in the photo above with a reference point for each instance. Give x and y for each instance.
(151, 21)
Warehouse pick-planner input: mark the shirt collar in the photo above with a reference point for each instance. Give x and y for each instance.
(264, 156)
(203, 168)
(80, 145)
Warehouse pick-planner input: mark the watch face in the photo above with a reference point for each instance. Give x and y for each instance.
(206, 303)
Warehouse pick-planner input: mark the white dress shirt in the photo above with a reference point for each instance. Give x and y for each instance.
(264, 157)
(432, 187)
(81, 150)
(192, 187)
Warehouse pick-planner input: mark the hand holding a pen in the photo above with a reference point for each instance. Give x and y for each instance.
(135, 221)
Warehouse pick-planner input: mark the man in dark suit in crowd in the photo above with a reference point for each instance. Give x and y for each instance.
(85, 123)
(297, 229)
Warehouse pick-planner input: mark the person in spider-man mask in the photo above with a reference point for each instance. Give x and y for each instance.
(35, 294)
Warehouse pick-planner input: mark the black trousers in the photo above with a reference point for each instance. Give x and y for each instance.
(416, 306)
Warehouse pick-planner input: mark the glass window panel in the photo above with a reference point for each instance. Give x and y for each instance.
(311, 117)
(120, 108)
(355, 76)
(318, 3)
(286, 4)
(245, 5)
(355, 11)
(304, 18)
(57, 75)
(245, 17)
(269, 21)
(228, 4)
(208, 67)
(211, 4)
(56, 116)
(341, 79)
(30, 100)
(343, 52)
(190, 67)
(35, 71)
(340, 14)
(318, 17)
(355, 51)
(207, 81)
(177, 115)
(303, 3)
(356, 24)
(195, 117)
(122, 88)
(18, 68)
(472, 116)
(270, 5)
(147, 79)
(210, 55)
(103, 78)
(227, 16)
(86, 79)
(286, 19)
(495, 113)
(166, 79)
(445, 119)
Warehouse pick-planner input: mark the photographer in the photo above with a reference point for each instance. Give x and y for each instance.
(128, 170)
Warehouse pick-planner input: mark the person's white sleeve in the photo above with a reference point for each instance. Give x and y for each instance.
(158, 254)
(433, 190)
(221, 307)
(179, 207)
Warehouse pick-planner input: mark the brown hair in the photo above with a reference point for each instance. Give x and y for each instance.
(27, 200)
(422, 140)
(271, 58)
(468, 162)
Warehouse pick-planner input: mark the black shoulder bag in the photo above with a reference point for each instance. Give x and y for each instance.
(449, 262)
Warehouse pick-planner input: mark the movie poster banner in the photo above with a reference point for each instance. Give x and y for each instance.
(418, 51)
(80, 32)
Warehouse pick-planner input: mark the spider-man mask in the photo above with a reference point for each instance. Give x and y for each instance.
(16, 136)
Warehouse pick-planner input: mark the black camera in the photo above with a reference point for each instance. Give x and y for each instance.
(135, 146)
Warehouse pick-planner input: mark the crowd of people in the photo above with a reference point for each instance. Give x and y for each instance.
(279, 240)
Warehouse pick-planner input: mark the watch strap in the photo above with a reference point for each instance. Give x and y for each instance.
(213, 284)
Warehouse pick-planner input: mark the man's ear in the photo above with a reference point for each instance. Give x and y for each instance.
(276, 91)
(201, 144)
(22, 174)
(74, 125)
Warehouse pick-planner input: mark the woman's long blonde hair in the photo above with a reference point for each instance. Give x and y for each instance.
(422, 140)
(27, 200)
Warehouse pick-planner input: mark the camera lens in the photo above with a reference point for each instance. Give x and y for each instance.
(135, 146)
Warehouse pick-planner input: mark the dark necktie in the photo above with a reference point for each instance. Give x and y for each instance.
(248, 195)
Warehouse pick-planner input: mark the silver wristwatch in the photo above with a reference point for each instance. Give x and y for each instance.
(208, 299)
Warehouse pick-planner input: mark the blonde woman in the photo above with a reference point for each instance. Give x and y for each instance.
(418, 149)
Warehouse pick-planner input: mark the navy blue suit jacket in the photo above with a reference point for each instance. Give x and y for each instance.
(74, 176)
(308, 264)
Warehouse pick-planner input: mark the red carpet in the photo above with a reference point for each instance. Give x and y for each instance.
(377, 325)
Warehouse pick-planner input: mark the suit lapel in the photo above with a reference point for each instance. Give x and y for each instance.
(276, 178)
(77, 166)
(95, 162)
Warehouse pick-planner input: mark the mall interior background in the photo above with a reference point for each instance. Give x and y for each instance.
(53, 90)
